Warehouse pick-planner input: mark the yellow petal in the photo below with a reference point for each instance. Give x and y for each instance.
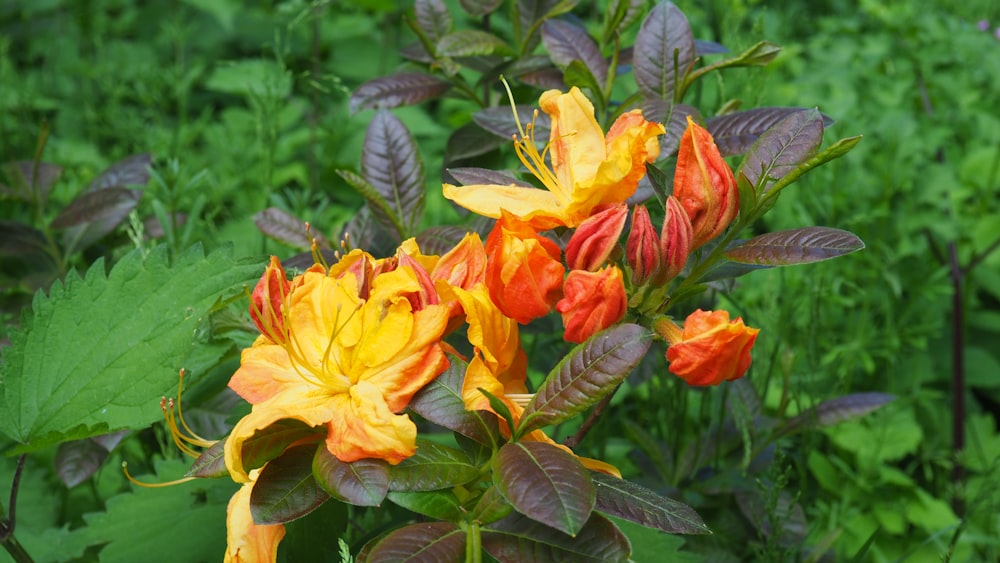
(541, 208)
(247, 542)
(362, 426)
(577, 140)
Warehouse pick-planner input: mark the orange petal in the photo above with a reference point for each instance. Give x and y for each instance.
(247, 542)
(362, 426)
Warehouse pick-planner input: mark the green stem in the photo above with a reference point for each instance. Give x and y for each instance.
(473, 544)
(16, 550)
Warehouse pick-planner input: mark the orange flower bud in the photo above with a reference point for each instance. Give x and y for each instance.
(595, 238)
(593, 301)
(523, 271)
(704, 184)
(642, 250)
(709, 349)
(675, 238)
(463, 266)
(267, 300)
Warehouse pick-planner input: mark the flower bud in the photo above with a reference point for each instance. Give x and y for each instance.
(595, 238)
(709, 349)
(523, 270)
(592, 302)
(464, 265)
(675, 238)
(704, 184)
(267, 301)
(642, 250)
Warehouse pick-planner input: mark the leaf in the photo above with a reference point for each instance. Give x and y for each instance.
(834, 151)
(674, 119)
(531, 15)
(728, 270)
(130, 171)
(795, 246)
(545, 483)
(566, 43)
(585, 375)
(759, 54)
(78, 460)
(362, 483)
(837, 410)
(440, 402)
(286, 489)
(782, 148)
(211, 463)
(391, 163)
(105, 209)
(433, 467)
(287, 229)
(440, 505)
(468, 141)
(401, 88)
(501, 122)
(471, 43)
(433, 18)
(491, 507)
(736, 132)
(22, 175)
(268, 443)
(18, 239)
(664, 34)
(784, 512)
(440, 239)
(428, 541)
(517, 538)
(377, 207)
(479, 8)
(473, 176)
(98, 352)
(537, 71)
(638, 504)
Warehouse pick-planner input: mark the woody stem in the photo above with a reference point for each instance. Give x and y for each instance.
(574, 440)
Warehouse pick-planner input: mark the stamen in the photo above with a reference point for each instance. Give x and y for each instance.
(135, 481)
(192, 437)
(520, 399)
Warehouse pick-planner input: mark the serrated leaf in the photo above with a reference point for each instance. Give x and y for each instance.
(566, 43)
(286, 489)
(433, 18)
(362, 483)
(97, 353)
(479, 8)
(795, 246)
(401, 88)
(664, 35)
(470, 43)
(440, 402)
(268, 443)
(545, 483)
(391, 163)
(473, 176)
(78, 460)
(416, 543)
(440, 505)
(638, 504)
(500, 121)
(287, 229)
(782, 148)
(585, 375)
(839, 409)
(736, 132)
(211, 463)
(517, 538)
(432, 467)
(129, 171)
(377, 207)
(105, 209)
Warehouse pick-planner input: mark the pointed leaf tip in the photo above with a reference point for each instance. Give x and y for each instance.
(796, 246)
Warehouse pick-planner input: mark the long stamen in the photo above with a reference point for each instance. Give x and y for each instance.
(135, 481)
(192, 437)
(167, 406)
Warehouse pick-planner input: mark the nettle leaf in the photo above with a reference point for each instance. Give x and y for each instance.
(268, 443)
(105, 209)
(287, 229)
(440, 402)
(98, 352)
(471, 43)
(782, 148)
(479, 8)
(517, 538)
(664, 35)
(500, 121)
(566, 43)
(441, 505)
(795, 246)
(590, 371)
(432, 467)
(638, 504)
(840, 409)
(377, 207)
(545, 483)
(391, 163)
(473, 176)
(735, 133)
(286, 489)
(399, 89)
(130, 171)
(211, 463)
(433, 18)
(362, 483)
(427, 541)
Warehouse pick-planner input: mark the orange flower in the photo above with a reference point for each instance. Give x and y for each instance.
(464, 265)
(523, 270)
(675, 238)
(704, 184)
(588, 169)
(267, 299)
(593, 301)
(709, 349)
(247, 542)
(596, 238)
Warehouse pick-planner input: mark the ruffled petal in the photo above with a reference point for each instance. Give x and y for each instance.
(362, 426)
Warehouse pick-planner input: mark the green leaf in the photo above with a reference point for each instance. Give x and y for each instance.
(479, 8)
(664, 36)
(517, 538)
(399, 89)
(391, 163)
(590, 371)
(577, 74)
(567, 43)
(253, 78)
(491, 507)
(440, 402)
(545, 483)
(440, 505)
(97, 353)
(362, 483)
(211, 463)
(286, 489)
(760, 54)
(432, 467)
(268, 443)
(795, 246)
(416, 543)
(638, 504)
(471, 43)
(786, 145)
(840, 409)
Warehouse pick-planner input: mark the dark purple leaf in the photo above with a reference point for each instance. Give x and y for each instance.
(566, 43)
(840, 409)
(377, 208)
(287, 229)
(785, 511)
(440, 239)
(111, 440)
(433, 467)
(391, 163)
(106, 207)
(468, 141)
(130, 171)
(479, 8)
(270, 442)
(416, 52)
(782, 148)
(78, 460)
(285, 489)
(585, 375)
(795, 246)
(532, 14)
(703, 47)
(500, 122)
(836, 150)
(362, 483)
(545, 483)
(417, 543)
(401, 88)
(440, 505)
(18, 239)
(470, 43)
(517, 538)
(638, 504)
(440, 402)
(538, 71)
(21, 175)
(433, 18)
(735, 133)
(211, 463)
(478, 176)
(674, 119)
(664, 34)
(728, 270)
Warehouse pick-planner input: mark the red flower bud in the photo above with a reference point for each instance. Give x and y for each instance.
(595, 238)
(675, 238)
(709, 349)
(592, 302)
(704, 184)
(267, 300)
(464, 265)
(642, 250)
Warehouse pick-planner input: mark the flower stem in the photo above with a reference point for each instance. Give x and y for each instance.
(473, 544)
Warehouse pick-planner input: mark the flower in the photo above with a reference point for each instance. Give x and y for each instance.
(709, 349)
(704, 184)
(593, 301)
(596, 238)
(523, 270)
(247, 542)
(588, 169)
(344, 363)
(267, 299)
(675, 238)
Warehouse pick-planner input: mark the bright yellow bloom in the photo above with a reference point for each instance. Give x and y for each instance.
(347, 364)
(247, 542)
(588, 169)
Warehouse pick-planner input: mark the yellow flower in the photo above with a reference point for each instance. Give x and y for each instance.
(588, 169)
(347, 364)
(247, 542)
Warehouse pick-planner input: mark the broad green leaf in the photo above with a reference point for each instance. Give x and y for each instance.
(638, 504)
(577, 74)
(391, 163)
(734, 133)
(840, 409)
(566, 43)
(795, 246)
(440, 402)
(479, 8)
(546, 484)
(401, 88)
(268, 443)
(433, 467)
(416, 543)
(786, 145)
(471, 43)
(440, 505)
(99, 352)
(378, 207)
(518, 538)
(649, 544)
(585, 375)
(211, 463)
(665, 36)
(286, 489)
(886, 435)
(491, 507)
(362, 483)
(433, 18)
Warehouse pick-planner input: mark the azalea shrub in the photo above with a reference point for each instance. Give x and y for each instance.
(402, 380)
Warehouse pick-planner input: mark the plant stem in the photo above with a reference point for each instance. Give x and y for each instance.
(957, 374)
(473, 544)
(574, 440)
(10, 543)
